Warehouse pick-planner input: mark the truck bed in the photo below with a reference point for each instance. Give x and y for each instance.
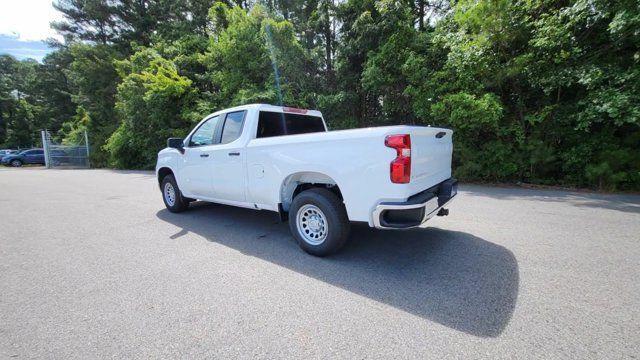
(356, 160)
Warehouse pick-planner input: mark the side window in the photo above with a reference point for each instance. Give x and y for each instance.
(232, 127)
(38, 152)
(204, 134)
(270, 124)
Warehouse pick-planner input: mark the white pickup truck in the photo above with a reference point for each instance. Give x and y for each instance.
(283, 159)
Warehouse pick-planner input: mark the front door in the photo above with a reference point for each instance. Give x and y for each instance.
(198, 160)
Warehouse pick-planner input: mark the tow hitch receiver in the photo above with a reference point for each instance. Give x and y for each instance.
(443, 212)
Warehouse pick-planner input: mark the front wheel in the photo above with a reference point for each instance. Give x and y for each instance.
(173, 199)
(319, 221)
(16, 163)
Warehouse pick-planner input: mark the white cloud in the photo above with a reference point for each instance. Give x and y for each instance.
(28, 19)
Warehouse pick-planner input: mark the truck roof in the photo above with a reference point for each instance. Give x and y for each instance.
(268, 107)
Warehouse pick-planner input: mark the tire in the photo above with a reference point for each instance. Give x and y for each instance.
(318, 221)
(172, 196)
(16, 163)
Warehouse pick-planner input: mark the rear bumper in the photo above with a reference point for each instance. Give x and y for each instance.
(417, 209)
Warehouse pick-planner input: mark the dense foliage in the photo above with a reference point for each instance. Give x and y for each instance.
(539, 91)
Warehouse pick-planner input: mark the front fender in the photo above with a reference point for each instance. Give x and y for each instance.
(168, 159)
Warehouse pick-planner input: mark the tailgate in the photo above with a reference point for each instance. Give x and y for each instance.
(431, 150)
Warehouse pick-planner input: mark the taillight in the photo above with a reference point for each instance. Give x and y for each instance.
(400, 169)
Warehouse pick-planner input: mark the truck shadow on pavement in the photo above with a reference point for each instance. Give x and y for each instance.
(453, 278)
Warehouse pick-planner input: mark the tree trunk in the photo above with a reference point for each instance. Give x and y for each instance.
(421, 15)
(328, 43)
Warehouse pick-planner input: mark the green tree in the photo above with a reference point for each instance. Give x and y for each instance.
(20, 128)
(93, 80)
(53, 89)
(153, 102)
(20, 102)
(560, 73)
(87, 20)
(256, 59)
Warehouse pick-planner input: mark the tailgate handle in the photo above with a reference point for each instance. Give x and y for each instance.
(234, 154)
(441, 134)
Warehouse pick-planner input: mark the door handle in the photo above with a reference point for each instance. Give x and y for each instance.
(234, 154)
(204, 155)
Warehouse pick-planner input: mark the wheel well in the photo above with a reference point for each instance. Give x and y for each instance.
(306, 186)
(297, 183)
(162, 172)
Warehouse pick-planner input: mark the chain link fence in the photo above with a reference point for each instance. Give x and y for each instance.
(65, 156)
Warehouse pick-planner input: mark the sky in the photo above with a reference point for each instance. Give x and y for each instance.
(24, 24)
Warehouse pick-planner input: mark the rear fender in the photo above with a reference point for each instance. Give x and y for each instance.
(291, 183)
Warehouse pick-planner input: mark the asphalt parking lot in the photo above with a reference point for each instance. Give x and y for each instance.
(93, 266)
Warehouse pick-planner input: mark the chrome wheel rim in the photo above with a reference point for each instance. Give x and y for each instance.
(312, 224)
(169, 194)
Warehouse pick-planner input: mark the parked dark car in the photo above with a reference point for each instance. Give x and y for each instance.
(31, 156)
(5, 152)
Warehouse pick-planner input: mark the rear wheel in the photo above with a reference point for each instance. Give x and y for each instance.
(16, 163)
(319, 222)
(173, 199)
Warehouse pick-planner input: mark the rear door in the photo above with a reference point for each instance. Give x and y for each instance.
(228, 166)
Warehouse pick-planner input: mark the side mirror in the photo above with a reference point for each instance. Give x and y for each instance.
(176, 143)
